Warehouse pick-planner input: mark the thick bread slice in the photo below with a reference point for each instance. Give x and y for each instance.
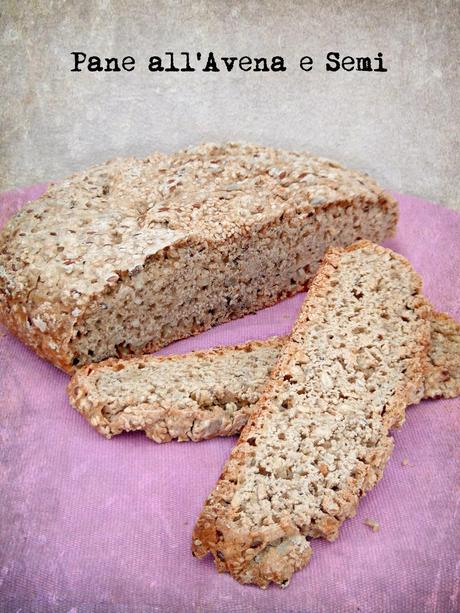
(195, 396)
(442, 379)
(131, 255)
(318, 439)
(202, 394)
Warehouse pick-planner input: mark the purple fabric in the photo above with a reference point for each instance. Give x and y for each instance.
(94, 525)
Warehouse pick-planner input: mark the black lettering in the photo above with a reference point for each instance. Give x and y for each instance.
(261, 61)
(78, 58)
(171, 67)
(155, 64)
(379, 59)
(278, 64)
(245, 63)
(211, 65)
(187, 68)
(348, 63)
(128, 63)
(94, 64)
(333, 57)
(112, 61)
(364, 64)
(229, 62)
(306, 63)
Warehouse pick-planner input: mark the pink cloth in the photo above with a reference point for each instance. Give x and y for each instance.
(96, 525)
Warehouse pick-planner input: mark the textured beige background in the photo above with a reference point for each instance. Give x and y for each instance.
(401, 126)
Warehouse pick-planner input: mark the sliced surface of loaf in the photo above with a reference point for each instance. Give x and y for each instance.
(199, 395)
(195, 396)
(131, 255)
(319, 436)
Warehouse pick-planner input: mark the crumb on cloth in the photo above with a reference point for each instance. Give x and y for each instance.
(375, 526)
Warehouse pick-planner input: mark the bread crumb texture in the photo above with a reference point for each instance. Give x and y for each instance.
(203, 394)
(195, 396)
(319, 436)
(131, 255)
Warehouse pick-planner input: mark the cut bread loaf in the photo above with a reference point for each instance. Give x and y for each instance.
(131, 255)
(202, 394)
(195, 396)
(319, 436)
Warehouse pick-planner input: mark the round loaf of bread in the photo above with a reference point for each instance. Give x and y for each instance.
(134, 254)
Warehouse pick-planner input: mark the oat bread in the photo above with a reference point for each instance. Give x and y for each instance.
(195, 396)
(202, 394)
(319, 436)
(442, 379)
(131, 255)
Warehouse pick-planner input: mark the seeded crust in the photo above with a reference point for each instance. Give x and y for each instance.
(319, 436)
(203, 394)
(128, 256)
(195, 396)
(442, 379)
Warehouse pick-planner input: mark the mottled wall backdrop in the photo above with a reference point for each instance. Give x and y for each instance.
(401, 126)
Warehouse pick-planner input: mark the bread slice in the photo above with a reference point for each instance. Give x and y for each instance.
(128, 256)
(442, 379)
(203, 394)
(195, 396)
(319, 436)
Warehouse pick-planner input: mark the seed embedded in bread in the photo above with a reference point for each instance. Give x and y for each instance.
(131, 255)
(319, 436)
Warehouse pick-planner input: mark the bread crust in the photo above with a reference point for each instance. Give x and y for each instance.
(119, 218)
(241, 552)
